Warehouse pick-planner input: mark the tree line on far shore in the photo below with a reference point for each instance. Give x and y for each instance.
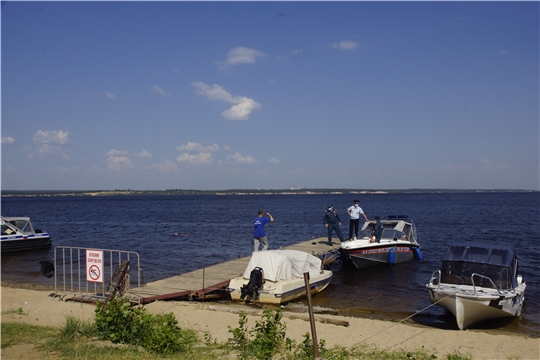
(295, 191)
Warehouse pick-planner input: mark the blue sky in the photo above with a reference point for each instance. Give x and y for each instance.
(270, 95)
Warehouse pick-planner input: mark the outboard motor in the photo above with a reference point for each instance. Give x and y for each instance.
(47, 268)
(251, 289)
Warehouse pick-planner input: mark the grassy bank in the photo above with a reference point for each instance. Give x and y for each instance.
(51, 343)
(119, 332)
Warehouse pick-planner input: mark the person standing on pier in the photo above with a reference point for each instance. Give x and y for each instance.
(259, 237)
(332, 222)
(354, 212)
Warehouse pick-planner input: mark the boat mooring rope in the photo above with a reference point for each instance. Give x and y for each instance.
(407, 318)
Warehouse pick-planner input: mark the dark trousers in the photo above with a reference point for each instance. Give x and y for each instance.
(331, 228)
(353, 224)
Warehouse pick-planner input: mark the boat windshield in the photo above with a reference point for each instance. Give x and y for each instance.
(6, 230)
(393, 234)
(460, 272)
(392, 230)
(22, 225)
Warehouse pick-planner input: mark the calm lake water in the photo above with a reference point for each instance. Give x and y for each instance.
(219, 228)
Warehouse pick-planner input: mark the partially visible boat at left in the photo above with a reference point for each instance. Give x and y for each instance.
(19, 234)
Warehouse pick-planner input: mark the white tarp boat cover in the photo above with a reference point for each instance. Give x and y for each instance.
(284, 264)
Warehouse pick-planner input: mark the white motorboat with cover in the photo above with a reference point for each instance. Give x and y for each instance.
(398, 243)
(478, 282)
(277, 277)
(18, 234)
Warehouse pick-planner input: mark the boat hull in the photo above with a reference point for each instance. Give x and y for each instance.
(281, 292)
(377, 255)
(471, 307)
(26, 242)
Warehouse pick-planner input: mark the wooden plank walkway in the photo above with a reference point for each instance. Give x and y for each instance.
(212, 281)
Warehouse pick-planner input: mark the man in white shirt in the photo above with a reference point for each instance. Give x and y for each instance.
(354, 212)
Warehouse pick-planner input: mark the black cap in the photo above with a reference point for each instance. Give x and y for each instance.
(377, 217)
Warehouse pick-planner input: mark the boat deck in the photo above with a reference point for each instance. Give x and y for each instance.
(212, 281)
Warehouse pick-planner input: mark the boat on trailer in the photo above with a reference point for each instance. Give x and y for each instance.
(277, 277)
(18, 233)
(398, 243)
(478, 282)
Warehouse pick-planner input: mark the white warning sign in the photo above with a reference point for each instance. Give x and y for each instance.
(94, 266)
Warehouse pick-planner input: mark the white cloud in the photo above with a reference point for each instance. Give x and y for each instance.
(115, 152)
(194, 147)
(7, 140)
(144, 154)
(297, 51)
(51, 137)
(242, 55)
(242, 108)
(194, 153)
(238, 158)
(156, 89)
(273, 161)
(50, 143)
(196, 159)
(118, 161)
(166, 166)
(110, 95)
(48, 149)
(215, 92)
(345, 45)
(502, 52)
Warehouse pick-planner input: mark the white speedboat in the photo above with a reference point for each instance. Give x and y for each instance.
(277, 277)
(18, 234)
(478, 282)
(398, 243)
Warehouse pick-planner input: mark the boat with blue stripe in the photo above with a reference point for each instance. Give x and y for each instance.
(398, 243)
(18, 234)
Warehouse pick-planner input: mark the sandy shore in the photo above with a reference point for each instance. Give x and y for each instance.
(41, 309)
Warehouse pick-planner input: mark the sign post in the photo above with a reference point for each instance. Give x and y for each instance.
(94, 266)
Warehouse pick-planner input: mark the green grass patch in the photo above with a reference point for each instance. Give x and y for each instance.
(18, 311)
(15, 333)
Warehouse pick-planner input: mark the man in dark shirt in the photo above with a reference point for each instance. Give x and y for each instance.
(332, 222)
(378, 231)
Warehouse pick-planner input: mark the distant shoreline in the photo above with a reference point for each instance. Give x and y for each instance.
(295, 191)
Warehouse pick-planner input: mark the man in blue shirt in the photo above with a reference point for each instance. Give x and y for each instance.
(260, 236)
